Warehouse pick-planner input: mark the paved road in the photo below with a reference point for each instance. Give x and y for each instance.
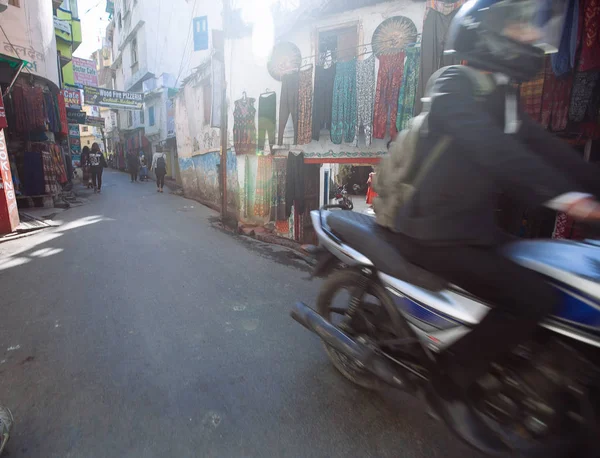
(139, 329)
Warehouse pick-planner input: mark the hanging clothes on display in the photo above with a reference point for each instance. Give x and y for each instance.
(278, 189)
(305, 97)
(294, 185)
(438, 16)
(564, 60)
(343, 118)
(530, 96)
(264, 174)
(33, 173)
(288, 105)
(389, 79)
(584, 84)
(589, 23)
(267, 106)
(323, 99)
(556, 99)
(62, 113)
(365, 98)
(50, 180)
(244, 126)
(408, 88)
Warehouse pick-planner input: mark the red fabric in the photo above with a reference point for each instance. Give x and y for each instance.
(62, 112)
(371, 194)
(589, 25)
(556, 98)
(389, 79)
(531, 96)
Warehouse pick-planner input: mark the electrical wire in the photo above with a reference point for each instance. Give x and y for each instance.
(186, 43)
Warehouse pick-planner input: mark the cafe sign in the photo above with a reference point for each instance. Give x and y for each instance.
(72, 98)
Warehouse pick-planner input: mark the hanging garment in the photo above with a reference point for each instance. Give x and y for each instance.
(408, 88)
(62, 113)
(264, 175)
(59, 163)
(584, 84)
(556, 98)
(589, 24)
(438, 16)
(389, 78)
(33, 173)
(564, 60)
(323, 100)
(278, 190)
(267, 104)
(244, 126)
(294, 185)
(530, 96)
(343, 118)
(365, 98)
(305, 97)
(288, 105)
(50, 184)
(371, 194)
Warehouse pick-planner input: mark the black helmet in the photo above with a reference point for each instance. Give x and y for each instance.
(507, 36)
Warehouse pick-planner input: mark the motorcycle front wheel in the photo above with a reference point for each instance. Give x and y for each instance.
(327, 306)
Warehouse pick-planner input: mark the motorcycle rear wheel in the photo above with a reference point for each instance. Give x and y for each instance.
(337, 281)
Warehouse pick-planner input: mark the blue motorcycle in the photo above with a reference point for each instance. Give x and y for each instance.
(394, 318)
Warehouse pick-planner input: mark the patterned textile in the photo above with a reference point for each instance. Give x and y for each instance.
(323, 99)
(555, 100)
(562, 227)
(343, 119)
(531, 96)
(62, 113)
(50, 184)
(59, 163)
(584, 84)
(564, 60)
(264, 175)
(278, 189)
(589, 23)
(389, 78)
(305, 96)
(283, 227)
(408, 88)
(244, 126)
(365, 97)
(442, 7)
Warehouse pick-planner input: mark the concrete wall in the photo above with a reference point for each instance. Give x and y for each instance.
(248, 73)
(30, 29)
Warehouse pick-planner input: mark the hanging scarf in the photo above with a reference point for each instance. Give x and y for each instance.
(589, 22)
(408, 89)
(278, 190)
(264, 172)
(564, 60)
(531, 96)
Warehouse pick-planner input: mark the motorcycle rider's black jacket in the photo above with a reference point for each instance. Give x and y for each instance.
(456, 199)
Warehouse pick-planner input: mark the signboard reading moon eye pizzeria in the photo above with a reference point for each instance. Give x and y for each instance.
(113, 99)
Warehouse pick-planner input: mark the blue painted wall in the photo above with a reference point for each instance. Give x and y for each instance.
(200, 178)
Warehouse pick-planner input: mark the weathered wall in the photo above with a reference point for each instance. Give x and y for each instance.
(200, 179)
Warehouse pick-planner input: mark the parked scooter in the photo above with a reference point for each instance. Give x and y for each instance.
(343, 200)
(542, 400)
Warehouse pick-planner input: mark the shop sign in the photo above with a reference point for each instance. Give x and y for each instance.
(113, 99)
(62, 25)
(84, 72)
(73, 130)
(95, 121)
(9, 212)
(75, 144)
(170, 118)
(76, 116)
(72, 98)
(3, 121)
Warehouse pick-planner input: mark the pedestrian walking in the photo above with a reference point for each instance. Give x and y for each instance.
(133, 165)
(86, 176)
(159, 167)
(143, 167)
(97, 164)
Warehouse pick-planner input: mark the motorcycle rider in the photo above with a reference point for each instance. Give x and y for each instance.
(448, 226)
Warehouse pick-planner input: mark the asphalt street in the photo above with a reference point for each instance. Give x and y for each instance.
(138, 328)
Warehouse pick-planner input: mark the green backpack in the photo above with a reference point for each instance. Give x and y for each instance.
(397, 176)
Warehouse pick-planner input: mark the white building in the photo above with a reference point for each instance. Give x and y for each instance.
(153, 51)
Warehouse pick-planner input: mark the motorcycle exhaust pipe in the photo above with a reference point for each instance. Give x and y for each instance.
(359, 352)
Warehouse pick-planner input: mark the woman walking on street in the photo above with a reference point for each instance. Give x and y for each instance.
(97, 164)
(133, 165)
(159, 166)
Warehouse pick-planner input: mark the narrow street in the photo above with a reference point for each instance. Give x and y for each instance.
(137, 328)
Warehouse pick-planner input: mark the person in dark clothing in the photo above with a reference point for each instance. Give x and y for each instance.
(133, 165)
(448, 225)
(159, 167)
(97, 164)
